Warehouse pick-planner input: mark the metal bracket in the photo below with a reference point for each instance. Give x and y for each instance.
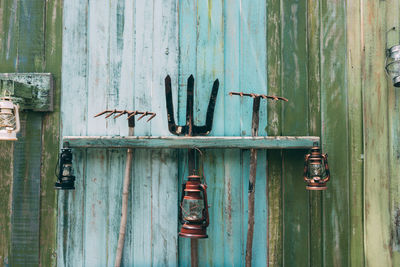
(31, 91)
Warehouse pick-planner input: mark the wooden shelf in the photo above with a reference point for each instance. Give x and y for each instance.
(157, 142)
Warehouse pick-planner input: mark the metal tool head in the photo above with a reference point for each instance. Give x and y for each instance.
(256, 107)
(189, 128)
(130, 114)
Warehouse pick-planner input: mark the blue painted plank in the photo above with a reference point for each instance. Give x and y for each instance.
(233, 182)
(164, 162)
(71, 210)
(142, 177)
(97, 191)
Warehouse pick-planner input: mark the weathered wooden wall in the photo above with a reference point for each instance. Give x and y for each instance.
(327, 57)
(30, 41)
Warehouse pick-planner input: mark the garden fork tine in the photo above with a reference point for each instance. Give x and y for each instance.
(190, 129)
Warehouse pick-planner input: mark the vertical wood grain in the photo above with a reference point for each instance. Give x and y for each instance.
(97, 189)
(355, 119)
(210, 66)
(295, 122)
(8, 39)
(74, 97)
(233, 182)
(335, 132)
(375, 127)
(314, 122)
(27, 151)
(187, 66)
(142, 181)
(274, 128)
(392, 20)
(50, 136)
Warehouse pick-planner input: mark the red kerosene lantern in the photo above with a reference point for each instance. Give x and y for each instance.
(193, 212)
(316, 169)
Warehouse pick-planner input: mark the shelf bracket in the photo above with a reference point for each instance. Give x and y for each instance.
(31, 91)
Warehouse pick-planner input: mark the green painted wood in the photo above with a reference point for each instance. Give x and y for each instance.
(314, 123)
(274, 157)
(25, 193)
(392, 20)
(8, 39)
(295, 122)
(154, 142)
(33, 91)
(27, 155)
(50, 137)
(355, 114)
(335, 137)
(375, 127)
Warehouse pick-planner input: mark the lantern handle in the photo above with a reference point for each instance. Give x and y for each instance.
(204, 188)
(328, 174)
(17, 122)
(180, 203)
(306, 167)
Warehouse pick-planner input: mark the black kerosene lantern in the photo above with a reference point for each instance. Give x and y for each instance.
(193, 212)
(316, 169)
(66, 179)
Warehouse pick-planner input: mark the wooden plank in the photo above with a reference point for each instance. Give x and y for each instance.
(295, 122)
(74, 99)
(27, 156)
(314, 123)
(355, 113)
(335, 132)
(142, 184)
(32, 91)
(392, 20)
(8, 53)
(97, 190)
(274, 128)
(154, 142)
(209, 67)
(50, 137)
(26, 192)
(164, 162)
(253, 78)
(375, 122)
(234, 180)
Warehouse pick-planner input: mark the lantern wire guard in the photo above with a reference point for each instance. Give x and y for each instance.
(193, 212)
(392, 61)
(9, 118)
(316, 169)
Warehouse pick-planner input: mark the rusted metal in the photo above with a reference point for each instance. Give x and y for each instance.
(127, 112)
(259, 96)
(316, 169)
(189, 128)
(253, 167)
(193, 212)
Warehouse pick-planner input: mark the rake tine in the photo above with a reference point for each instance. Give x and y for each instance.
(111, 113)
(101, 113)
(121, 113)
(144, 114)
(152, 116)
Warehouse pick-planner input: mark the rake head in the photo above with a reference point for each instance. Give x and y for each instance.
(131, 115)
